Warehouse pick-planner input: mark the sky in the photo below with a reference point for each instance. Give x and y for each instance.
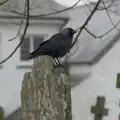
(69, 3)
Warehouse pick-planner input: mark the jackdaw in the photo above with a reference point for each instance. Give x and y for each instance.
(57, 46)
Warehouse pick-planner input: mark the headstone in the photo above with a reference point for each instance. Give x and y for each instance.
(1, 113)
(99, 109)
(45, 94)
(118, 81)
(118, 86)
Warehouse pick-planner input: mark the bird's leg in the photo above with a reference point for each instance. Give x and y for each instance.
(54, 66)
(57, 63)
(60, 65)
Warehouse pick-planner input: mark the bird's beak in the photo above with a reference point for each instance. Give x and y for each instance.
(75, 31)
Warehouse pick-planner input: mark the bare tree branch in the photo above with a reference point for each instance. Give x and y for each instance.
(114, 25)
(110, 17)
(97, 7)
(2, 3)
(101, 7)
(100, 36)
(17, 32)
(22, 38)
(19, 27)
(86, 22)
(107, 7)
(90, 33)
(47, 14)
(26, 26)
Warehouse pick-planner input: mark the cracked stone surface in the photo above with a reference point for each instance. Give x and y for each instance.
(45, 95)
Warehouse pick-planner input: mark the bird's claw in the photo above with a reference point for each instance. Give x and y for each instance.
(57, 66)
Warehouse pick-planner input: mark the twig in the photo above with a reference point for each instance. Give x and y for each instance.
(17, 32)
(47, 14)
(90, 33)
(86, 22)
(22, 38)
(19, 27)
(1, 3)
(100, 36)
(110, 17)
(102, 8)
(27, 24)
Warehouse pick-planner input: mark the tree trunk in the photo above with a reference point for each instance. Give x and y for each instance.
(45, 95)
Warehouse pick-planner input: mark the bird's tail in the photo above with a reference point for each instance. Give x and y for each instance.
(34, 55)
(31, 56)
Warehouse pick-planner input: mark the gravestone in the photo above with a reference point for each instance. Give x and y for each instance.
(1, 113)
(45, 94)
(118, 81)
(118, 86)
(99, 109)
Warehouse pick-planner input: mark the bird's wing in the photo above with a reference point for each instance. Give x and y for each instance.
(39, 47)
(53, 38)
(43, 42)
(56, 41)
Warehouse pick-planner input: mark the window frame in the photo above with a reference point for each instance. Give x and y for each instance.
(28, 63)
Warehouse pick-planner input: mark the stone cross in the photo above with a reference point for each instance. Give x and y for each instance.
(99, 109)
(118, 86)
(118, 81)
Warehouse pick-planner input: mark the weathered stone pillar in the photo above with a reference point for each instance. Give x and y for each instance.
(45, 95)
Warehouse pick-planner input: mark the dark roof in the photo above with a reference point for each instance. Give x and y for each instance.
(102, 52)
(38, 7)
(15, 115)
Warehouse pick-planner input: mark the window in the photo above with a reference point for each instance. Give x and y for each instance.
(30, 44)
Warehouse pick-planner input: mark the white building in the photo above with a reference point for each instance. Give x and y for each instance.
(96, 61)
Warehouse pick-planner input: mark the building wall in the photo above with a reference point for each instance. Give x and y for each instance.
(10, 75)
(102, 82)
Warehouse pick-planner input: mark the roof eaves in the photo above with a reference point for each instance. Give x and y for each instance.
(101, 54)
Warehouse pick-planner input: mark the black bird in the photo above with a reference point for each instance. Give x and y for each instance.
(57, 46)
